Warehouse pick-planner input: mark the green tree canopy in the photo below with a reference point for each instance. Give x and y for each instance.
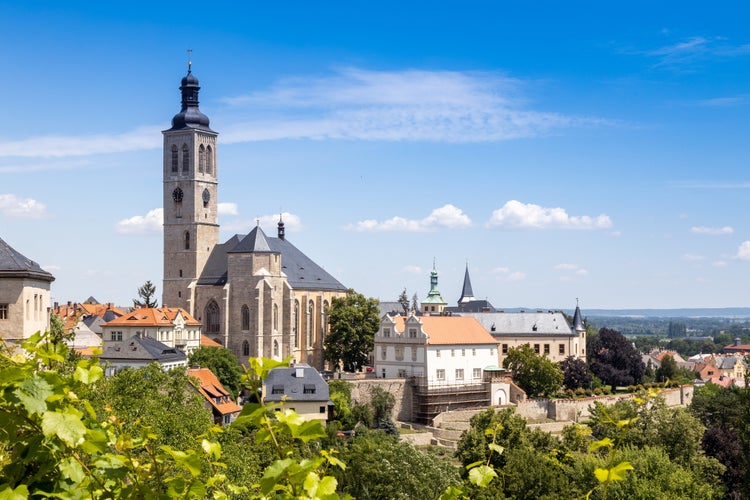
(613, 359)
(222, 363)
(146, 296)
(536, 375)
(576, 373)
(353, 321)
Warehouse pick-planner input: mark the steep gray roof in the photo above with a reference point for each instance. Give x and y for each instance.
(14, 265)
(143, 349)
(254, 242)
(467, 294)
(473, 306)
(287, 385)
(302, 273)
(578, 320)
(524, 323)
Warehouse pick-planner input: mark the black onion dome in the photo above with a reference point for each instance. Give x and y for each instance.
(190, 115)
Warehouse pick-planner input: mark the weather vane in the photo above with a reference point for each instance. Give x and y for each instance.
(190, 62)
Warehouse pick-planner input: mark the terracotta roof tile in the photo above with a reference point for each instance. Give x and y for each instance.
(447, 330)
(210, 388)
(153, 316)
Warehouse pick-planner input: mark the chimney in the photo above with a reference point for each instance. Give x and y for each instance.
(299, 372)
(737, 341)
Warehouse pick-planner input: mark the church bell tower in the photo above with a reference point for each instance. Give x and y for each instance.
(191, 223)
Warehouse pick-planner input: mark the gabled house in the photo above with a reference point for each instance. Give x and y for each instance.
(218, 399)
(173, 326)
(139, 351)
(300, 388)
(24, 295)
(439, 350)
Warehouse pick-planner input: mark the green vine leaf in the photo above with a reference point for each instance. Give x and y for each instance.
(482, 475)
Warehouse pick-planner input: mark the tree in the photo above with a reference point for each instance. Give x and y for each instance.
(613, 359)
(353, 321)
(576, 373)
(403, 301)
(146, 296)
(414, 302)
(536, 375)
(675, 330)
(222, 363)
(667, 370)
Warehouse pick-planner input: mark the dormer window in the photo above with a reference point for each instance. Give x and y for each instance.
(308, 389)
(386, 332)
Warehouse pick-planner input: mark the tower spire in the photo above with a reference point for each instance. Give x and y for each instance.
(467, 294)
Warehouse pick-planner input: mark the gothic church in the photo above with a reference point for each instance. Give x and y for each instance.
(256, 295)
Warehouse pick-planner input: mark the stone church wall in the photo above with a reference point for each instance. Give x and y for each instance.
(399, 387)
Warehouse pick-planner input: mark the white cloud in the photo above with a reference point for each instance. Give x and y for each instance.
(269, 224)
(719, 263)
(139, 224)
(743, 252)
(55, 146)
(227, 208)
(411, 105)
(570, 271)
(694, 50)
(711, 230)
(515, 214)
(448, 216)
(13, 206)
(412, 269)
(692, 257)
(505, 274)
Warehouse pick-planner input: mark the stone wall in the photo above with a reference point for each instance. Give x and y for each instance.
(533, 409)
(399, 387)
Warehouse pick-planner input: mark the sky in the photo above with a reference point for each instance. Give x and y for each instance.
(591, 151)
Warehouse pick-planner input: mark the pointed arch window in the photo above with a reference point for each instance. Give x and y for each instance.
(276, 348)
(185, 159)
(245, 317)
(209, 160)
(187, 240)
(295, 323)
(201, 159)
(175, 161)
(276, 317)
(213, 323)
(246, 348)
(310, 324)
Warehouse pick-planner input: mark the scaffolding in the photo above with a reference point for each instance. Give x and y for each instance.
(429, 400)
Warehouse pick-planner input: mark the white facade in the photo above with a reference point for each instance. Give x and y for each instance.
(173, 327)
(442, 350)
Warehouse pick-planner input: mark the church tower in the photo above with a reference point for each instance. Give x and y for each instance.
(191, 220)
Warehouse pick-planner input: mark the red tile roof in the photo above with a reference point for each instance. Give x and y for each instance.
(153, 316)
(209, 342)
(451, 330)
(211, 389)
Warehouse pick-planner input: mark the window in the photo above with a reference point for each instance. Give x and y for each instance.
(401, 373)
(453, 352)
(277, 389)
(185, 159)
(295, 323)
(187, 240)
(383, 352)
(562, 349)
(310, 323)
(412, 333)
(505, 348)
(413, 354)
(201, 159)
(213, 323)
(463, 352)
(175, 162)
(180, 273)
(459, 373)
(3, 311)
(437, 353)
(245, 317)
(227, 419)
(116, 336)
(477, 373)
(209, 159)
(536, 348)
(440, 374)
(246, 348)
(276, 317)
(322, 409)
(473, 352)
(546, 348)
(399, 353)
(308, 389)
(386, 332)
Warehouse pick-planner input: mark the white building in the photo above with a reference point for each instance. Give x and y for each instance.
(173, 326)
(442, 350)
(300, 388)
(548, 333)
(24, 296)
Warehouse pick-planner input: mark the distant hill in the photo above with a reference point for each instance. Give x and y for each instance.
(697, 312)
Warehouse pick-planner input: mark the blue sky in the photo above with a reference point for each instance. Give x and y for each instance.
(564, 150)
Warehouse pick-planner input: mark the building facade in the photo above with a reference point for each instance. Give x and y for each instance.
(438, 350)
(254, 294)
(24, 296)
(172, 326)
